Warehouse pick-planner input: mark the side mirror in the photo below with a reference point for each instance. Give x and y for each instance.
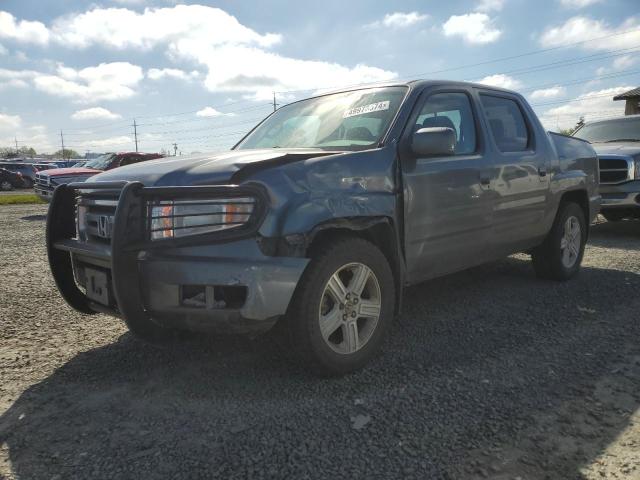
(434, 141)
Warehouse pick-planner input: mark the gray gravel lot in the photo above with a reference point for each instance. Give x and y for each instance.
(490, 373)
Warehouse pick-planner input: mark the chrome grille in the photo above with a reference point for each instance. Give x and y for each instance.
(94, 218)
(615, 169)
(42, 180)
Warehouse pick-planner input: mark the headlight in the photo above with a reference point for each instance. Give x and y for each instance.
(181, 218)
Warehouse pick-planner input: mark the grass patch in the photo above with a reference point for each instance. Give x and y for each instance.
(20, 199)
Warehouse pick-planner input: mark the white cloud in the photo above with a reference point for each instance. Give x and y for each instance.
(23, 31)
(199, 34)
(110, 143)
(13, 83)
(107, 81)
(23, 74)
(123, 28)
(590, 105)
(9, 122)
(473, 27)
(212, 112)
(501, 80)
(94, 113)
(3, 50)
(623, 62)
(399, 20)
(250, 69)
(578, 3)
(490, 5)
(578, 29)
(546, 93)
(160, 73)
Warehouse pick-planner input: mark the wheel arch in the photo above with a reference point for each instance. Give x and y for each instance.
(380, 231)
(581, 197)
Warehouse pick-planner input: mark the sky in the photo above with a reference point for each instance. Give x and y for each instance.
(200, 74)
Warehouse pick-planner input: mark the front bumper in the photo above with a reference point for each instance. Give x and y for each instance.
(45, 193)
(149, 280)
(621, 196)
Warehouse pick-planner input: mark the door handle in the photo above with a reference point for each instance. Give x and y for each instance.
(542, 171)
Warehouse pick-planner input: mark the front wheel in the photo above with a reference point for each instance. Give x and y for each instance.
(342, 307)
(560, 255)
(6, 186)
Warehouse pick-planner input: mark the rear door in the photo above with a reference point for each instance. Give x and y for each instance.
(447, 202)
(521, 180)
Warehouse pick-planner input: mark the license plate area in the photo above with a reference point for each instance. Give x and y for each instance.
(97, 285)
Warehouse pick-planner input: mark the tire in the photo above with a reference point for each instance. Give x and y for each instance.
(6, 186)
(612, 216)
(351, 335)
(560, 255)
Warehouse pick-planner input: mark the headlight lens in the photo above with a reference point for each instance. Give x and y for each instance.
(181, 218)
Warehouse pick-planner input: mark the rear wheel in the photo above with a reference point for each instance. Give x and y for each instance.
(342, 308)
(6, 186)
(560, 255)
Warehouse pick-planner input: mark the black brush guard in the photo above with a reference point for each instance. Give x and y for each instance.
(130, 236)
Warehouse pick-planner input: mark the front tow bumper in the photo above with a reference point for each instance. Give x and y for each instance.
(196, 283)
(45, 193)
(623, 198)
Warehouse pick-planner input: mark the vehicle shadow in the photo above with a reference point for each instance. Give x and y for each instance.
(34, 218)
(624, 234)
(476, 362)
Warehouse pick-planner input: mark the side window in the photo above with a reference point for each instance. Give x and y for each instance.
(129, 159)
(451, 110)
(507, 123)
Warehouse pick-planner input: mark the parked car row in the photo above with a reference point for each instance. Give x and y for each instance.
(46, 181)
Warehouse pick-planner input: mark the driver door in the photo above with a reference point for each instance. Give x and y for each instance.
(447, 200)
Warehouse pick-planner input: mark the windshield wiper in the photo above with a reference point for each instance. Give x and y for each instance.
(622, 140)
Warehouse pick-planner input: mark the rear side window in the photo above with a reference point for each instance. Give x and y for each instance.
(507, 123)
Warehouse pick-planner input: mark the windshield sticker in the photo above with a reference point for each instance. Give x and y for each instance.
(372, 107)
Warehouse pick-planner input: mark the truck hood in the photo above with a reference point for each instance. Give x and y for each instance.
(205, 169)
(69, 172)
(617, 148)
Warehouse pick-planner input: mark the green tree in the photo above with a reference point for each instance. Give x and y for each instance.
(28, 152)
(68, 153)
(570, 130)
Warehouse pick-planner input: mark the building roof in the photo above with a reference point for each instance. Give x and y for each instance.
(630, 94)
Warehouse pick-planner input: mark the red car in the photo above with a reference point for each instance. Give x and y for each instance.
(48, 180)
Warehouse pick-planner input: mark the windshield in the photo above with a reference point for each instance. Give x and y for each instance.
(627, 130)
(100, 163)
(342, 121)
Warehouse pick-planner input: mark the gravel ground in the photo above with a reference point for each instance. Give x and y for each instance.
(489, 373)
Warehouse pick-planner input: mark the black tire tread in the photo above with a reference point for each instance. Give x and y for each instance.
(300, 339)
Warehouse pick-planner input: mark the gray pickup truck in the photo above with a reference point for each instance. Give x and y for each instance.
(322, 213)
(617, 142)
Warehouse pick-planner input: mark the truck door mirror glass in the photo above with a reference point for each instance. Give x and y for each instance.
(434, 141)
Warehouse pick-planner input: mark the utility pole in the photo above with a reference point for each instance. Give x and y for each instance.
(17, 150)
(62, 143)
(275, 105)
(175, 149)
(135, 133)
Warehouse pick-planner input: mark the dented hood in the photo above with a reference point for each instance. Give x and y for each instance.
(204, 169)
